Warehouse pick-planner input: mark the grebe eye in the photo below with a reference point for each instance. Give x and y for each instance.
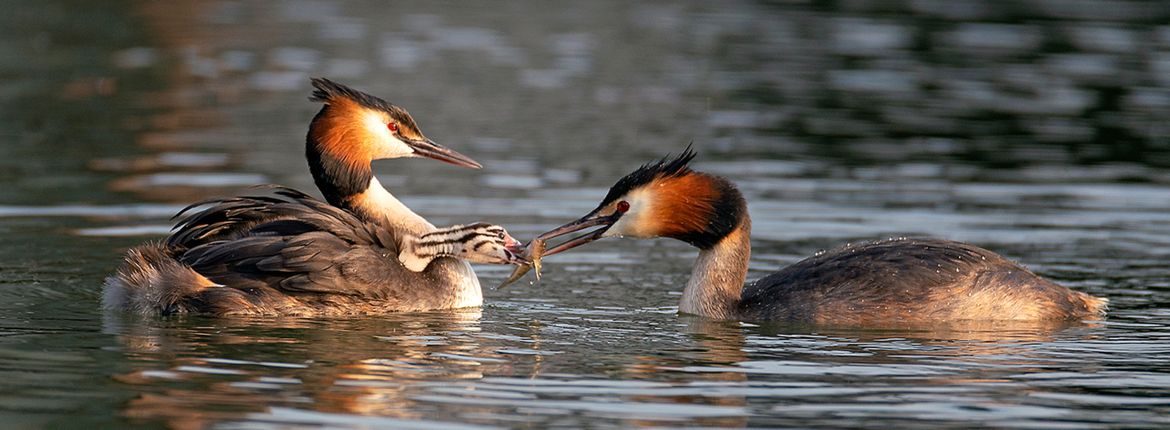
(393, 127)
(623, 206)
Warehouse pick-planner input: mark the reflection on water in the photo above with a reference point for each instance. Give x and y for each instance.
(341, 368)
(1034, 128)
(464, 367)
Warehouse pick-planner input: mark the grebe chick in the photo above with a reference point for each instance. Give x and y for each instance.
(902, 281)
(364, 252)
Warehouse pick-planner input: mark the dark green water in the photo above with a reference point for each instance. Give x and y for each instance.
(1037, 129)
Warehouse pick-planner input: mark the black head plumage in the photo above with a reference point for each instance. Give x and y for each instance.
(326, 91)
(665, 168)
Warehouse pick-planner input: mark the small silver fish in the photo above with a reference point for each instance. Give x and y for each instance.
(536, 248)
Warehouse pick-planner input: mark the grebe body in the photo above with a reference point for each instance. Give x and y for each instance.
(363, 252)
(910, 281)
(903, 281)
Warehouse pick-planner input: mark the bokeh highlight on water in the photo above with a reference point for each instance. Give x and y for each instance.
(1037, 129)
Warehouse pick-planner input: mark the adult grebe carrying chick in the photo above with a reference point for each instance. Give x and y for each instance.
(903, 281)
(363, 252)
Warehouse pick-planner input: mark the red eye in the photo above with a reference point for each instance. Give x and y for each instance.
(392, 126)
(623, 206)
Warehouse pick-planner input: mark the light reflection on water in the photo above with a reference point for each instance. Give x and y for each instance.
(1035, 130)
(469, 368)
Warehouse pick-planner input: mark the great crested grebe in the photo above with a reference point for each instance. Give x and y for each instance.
(888, 282)
(363, 252)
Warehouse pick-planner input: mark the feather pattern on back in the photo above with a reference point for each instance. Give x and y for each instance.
(285, 254)
(911, 281)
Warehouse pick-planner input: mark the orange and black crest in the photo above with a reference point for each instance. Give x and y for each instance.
(694, 207)
(329, 92)
(667, 167)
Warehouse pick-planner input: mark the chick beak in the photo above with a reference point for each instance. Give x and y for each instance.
(428, 148)
(515, 250)
(585, 222)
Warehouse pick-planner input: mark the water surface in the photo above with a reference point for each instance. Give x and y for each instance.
(1036, 129)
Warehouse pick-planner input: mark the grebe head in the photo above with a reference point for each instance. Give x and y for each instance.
(477, 243)
(661, 199)
(359, 128)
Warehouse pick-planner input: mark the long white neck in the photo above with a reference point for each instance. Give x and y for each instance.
(716, 283)
(376, 203)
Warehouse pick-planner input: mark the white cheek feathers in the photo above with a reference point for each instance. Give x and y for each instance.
(638, 221)
(388, 144)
